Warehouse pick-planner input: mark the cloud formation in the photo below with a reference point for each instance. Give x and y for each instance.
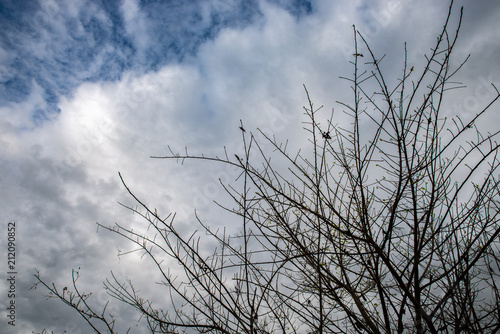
(91, 88)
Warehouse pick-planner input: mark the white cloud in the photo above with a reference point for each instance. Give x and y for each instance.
(136, 25)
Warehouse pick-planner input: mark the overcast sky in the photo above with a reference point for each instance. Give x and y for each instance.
(93, 87)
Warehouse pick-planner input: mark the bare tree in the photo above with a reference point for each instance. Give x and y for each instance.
(379, 228)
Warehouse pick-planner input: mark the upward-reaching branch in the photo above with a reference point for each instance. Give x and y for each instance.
(388, 227)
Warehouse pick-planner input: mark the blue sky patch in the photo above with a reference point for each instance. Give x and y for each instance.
(60, 45)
